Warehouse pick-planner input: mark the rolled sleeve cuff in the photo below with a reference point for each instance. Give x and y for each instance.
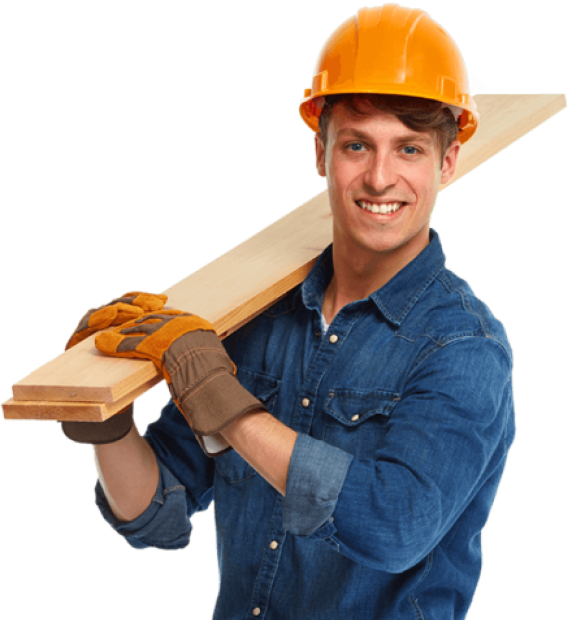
(163, 525)
(315, 478)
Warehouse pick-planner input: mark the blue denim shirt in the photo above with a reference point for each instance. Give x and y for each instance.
(404, 411)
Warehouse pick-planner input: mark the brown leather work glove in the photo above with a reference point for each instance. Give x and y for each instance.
(113, 429)
(116, 312)
(200, 374)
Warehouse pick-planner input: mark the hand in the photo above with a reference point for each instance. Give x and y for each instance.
(118, 311)
(113, 429)
(200, 374)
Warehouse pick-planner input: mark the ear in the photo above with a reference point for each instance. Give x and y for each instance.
(320, 155)
(450, 162)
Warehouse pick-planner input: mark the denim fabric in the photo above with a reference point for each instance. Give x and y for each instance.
(404, 417)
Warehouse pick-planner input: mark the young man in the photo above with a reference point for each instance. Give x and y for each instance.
(359, 453)
(383, 180)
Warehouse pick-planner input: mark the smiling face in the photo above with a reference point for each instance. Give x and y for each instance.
(383, 180)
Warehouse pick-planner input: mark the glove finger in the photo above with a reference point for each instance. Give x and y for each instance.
(129, 298)
(166, 315)
(129, 343)
(148, 324)
(126, 299)
(120, 341)
(147, 328)
(93, 317)
(148, 302)
(94, 320)
(97, 317)
(126, 312)
(116, 345)
(117, 312)
(153, 344)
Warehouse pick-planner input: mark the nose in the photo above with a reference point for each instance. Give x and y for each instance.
(380, 173)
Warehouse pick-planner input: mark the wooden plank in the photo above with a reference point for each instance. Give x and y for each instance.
(505, 119)
(271, 263)
(239, 285)
(73, 411)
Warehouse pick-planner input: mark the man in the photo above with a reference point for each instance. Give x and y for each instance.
(359, 453)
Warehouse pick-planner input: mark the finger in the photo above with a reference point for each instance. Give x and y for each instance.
(148, 302)
(166, 315)
(130, 343)
(126, 299)
(102, 318)
(123, 307)
(84, 323)
(145, 328)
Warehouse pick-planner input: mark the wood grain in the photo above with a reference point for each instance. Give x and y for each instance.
(82, 384)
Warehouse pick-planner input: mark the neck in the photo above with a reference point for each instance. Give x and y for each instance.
(358, 274)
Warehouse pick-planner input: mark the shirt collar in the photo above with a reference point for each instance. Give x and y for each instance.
(394, 300)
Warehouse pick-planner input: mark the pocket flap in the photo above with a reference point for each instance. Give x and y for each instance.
(351, 407)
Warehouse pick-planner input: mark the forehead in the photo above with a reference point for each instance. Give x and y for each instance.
(368, 121)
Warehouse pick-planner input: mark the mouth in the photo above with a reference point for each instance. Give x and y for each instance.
(383, 208)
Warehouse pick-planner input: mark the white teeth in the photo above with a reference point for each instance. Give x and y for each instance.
(385, 208)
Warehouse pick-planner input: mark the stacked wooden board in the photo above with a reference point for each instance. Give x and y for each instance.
(82, 384)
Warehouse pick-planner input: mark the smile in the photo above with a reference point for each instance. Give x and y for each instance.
(383, 208)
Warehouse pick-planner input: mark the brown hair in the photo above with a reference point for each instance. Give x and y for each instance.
(418, 114)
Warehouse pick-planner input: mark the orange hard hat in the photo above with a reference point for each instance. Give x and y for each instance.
(395, 51)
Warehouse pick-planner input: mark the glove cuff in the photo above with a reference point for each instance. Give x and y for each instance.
(95, 433)
(212, 404)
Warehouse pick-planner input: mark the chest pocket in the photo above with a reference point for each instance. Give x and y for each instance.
(357, 420)
(231, 466)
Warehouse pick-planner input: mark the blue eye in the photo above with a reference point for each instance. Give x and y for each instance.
(411, 147)
(356, 147)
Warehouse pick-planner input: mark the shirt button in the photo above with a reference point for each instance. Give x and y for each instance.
(355, 418)
(305, 402)
(274, 545)
(256, 611)
(333, 338)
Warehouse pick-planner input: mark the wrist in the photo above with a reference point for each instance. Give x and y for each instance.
(244, 425)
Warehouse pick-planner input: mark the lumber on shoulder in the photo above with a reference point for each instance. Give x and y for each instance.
(82, 384)
(228, 292)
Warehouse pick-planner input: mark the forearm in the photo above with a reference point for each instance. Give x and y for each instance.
(265, 443)
(128, 473)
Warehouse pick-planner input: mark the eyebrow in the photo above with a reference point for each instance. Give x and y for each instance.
(409, 137)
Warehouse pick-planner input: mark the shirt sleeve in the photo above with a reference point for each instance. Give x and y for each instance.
(446, 439)
(185, 487)
(163, 525)
(315, 478)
